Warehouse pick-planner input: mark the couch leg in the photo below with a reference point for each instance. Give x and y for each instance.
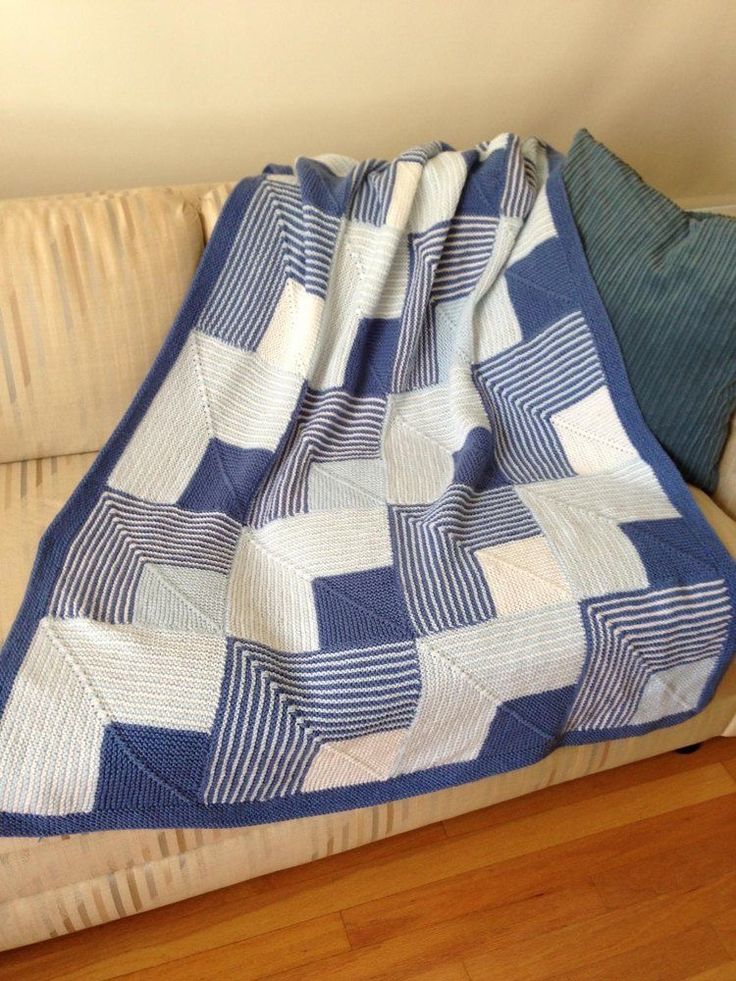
(686, 750)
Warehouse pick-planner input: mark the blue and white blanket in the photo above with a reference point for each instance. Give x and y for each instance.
(383, 518)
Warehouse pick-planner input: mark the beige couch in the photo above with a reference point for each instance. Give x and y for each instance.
(89, 284)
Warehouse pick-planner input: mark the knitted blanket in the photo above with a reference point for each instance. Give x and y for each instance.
(384, 517)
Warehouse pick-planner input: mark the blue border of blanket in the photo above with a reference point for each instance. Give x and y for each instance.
(60, 534)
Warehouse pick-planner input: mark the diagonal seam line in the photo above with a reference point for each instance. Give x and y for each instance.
(530, 572)
(188, 601)
(331, 747)
(484, 690)
(589, 434)
(401, 418)
(308, 578)
(602, 516)
(655, 676)
(514, 274)
(104, 715)
(349, 483)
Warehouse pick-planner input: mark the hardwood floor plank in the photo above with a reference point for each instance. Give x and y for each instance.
(696, 949)
(612, 934)
(730, 764)
(724, 972)
(259, 957)
(454, 971)
(585, 788)
(651, 840)
(670, 871)
(725, 925)
(431, 946)
(478, 891)
(686, 834)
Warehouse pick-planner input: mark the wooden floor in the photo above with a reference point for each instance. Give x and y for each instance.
(627, 875)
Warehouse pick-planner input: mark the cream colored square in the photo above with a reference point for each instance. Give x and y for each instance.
(406, 180)
(422, 430)
(496, 327)
(353, 761)
(538, 229)
(169, 441)
(269, 600)
(592, 435)
(250, 401)
(291, 336)
(523, 575)
(330, 543)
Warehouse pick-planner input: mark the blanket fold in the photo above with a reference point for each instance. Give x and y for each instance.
(383, 518)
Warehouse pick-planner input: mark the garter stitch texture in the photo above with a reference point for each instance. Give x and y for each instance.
(384, 517)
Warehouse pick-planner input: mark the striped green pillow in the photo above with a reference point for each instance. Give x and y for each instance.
(668, 280)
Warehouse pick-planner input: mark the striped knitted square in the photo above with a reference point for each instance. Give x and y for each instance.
(384, 517)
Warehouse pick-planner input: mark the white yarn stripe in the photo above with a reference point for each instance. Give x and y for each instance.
(330, 426)
(443, 582)
(276, 712)
(104, 565)
(279, 239)
(526, 385)
(637, 636)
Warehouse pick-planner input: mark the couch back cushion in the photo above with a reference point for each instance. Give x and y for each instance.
(211, 204)
(89, 285)
(668, 280)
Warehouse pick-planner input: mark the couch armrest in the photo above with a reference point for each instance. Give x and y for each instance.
(720, 522)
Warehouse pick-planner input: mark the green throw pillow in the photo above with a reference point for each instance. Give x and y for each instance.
(668, 280)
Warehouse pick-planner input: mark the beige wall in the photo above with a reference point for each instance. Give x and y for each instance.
(114, 93)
